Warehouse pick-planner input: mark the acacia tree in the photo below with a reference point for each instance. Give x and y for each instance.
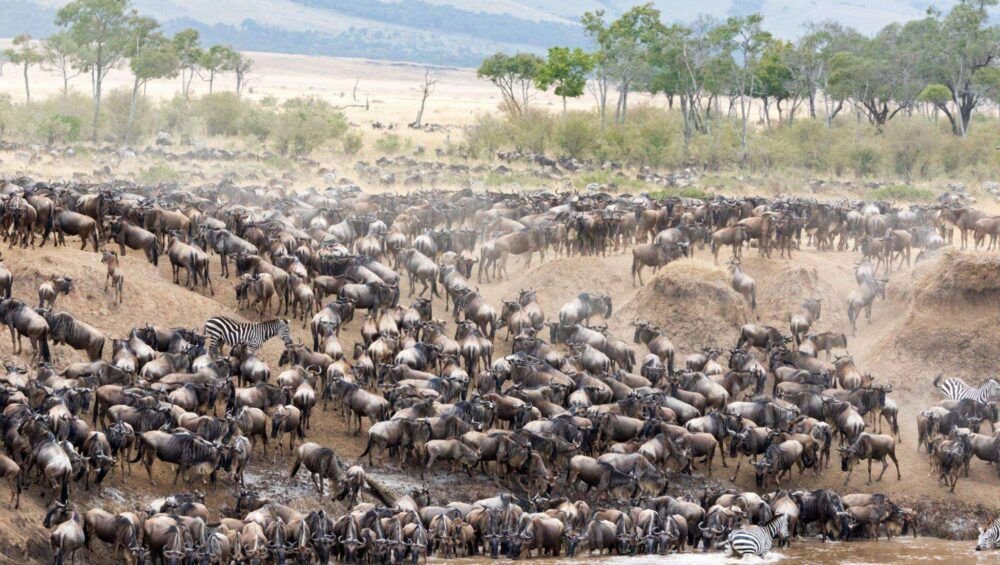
(101, 29)
(152, 56)
(744, 37)
(27, 54)
(189, 53)
(623, 51)
(958, 47)
(242, 67)
(216, 60)
(514, 76)
(59, 50)
(567, 70)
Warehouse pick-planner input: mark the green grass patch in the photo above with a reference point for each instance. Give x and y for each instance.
(686, 192)
(902, 192)
(158, 173)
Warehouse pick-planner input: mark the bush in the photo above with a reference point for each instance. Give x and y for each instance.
(532, 131)
(304, 124)
(59, 128)
(902, 192)
(486, 136)
(115, 107)
(576, 135)
(352, 143)
(390, 143)
(158, 173)
(258, 123)
(177, 116)
(864, 160)
(221, 113)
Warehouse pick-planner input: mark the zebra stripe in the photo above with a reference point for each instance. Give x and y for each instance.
(223, 330)
(955, 388)
(756, 540)
(990, 537)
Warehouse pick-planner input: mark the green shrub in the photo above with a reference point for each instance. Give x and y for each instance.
(531, 131)
(901, 192)
(864, 160)
(115, 107)
(158, 173)
(177, 116)
(686, 192)
(352, 143)
(220, 112)
(575, 135)
(258, 122)
(390, 143)
(59, 128)
(484, 138)
(304, 124)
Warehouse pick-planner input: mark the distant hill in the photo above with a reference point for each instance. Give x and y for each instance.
(446, 32)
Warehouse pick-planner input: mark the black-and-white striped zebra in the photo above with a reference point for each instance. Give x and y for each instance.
(990, 537)
(954, 388)
(222, 330)
(756, 540)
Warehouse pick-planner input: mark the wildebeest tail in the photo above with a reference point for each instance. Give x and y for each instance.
(295, 467)
(64, 490)
(367, 448)
(43, 347)
(49, 224)
(140, 449)
(154, 251)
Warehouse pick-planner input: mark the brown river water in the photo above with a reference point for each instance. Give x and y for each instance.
(899, 550)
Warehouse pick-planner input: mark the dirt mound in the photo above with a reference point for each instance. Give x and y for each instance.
(949, 319)
(957, 278)
(693, 303)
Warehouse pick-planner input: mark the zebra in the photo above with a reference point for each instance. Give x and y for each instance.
(954, 388)
(756, 540)
(990, 537)
(221, 330)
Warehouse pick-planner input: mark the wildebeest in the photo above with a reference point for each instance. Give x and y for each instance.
(183, 449)
(654, 255)
(115, 275)
(68, 222)
(65, 329)
(20, 319)
(583, 307)
(50, 290)
(801, 321)
(871, 447)
(863, 298)
(321, 462)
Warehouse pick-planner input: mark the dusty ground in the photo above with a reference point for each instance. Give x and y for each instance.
(914, 336)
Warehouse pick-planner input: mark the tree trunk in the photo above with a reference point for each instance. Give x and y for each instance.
(131, 110)
(420, 114)
(211, 81)
(27, 90)
(564, 108)
(812, 105)
(97, 102)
